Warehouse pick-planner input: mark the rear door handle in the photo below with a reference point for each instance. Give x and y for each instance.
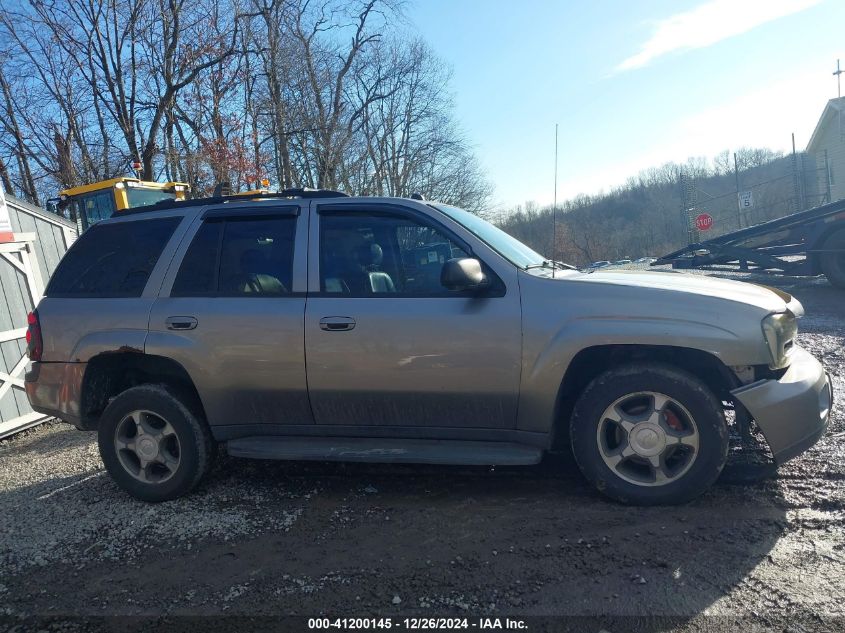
(337, 324)
(180, 323)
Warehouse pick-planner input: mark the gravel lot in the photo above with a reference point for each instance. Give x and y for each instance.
(275, 538)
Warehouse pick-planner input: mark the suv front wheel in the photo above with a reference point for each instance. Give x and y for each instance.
(153, 445)
(649, 434)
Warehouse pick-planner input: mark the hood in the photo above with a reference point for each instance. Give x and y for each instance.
(769, 299)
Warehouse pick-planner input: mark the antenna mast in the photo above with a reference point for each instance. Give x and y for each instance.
(554, 208)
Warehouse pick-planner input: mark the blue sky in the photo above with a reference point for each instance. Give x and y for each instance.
(632, 84)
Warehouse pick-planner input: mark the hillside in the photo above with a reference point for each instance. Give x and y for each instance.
(646, 217)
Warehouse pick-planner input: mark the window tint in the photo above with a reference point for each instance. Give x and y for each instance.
(196, 275)
(363, 254)
(254, 258)
(112, 260)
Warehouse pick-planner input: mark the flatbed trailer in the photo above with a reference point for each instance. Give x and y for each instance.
(807, 243)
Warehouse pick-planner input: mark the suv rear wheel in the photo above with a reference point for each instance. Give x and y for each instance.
(649, 435)
(153, 445)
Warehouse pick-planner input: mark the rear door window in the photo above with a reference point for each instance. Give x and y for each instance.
(197, 275)
(112, 260)
(234, 257)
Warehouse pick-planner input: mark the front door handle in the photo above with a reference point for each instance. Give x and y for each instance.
(180, 323)
(337, 324)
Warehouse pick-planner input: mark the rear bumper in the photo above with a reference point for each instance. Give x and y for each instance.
(793, 411)
(55, 389)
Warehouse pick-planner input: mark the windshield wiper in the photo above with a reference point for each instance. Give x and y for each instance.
(546, 264)
(550, 264)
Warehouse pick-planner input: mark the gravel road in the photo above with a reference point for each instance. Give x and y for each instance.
(273, 538)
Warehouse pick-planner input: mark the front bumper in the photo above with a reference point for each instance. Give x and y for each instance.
(789, 411)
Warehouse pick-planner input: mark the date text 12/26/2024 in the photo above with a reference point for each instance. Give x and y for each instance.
(417, 624)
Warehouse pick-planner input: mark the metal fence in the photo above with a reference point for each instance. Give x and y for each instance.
(717, 206)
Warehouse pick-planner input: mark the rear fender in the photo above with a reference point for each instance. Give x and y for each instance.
(109, 341)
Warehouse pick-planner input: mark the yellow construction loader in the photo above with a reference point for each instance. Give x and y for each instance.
(88, 204)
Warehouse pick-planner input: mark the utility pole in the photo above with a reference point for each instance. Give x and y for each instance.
(689, 200)
(554, 210)
(738, 207)
(796, 183)
(837, 74)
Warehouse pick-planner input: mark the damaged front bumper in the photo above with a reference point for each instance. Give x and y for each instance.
(792, 411)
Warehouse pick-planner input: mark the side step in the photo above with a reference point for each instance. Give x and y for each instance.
(391, 451)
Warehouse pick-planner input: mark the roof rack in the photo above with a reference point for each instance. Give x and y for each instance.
(302, 192)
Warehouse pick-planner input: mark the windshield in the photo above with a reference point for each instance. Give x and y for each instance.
(508, 247)
(139, 197)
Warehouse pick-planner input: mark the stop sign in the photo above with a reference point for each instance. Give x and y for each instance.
(704, 222)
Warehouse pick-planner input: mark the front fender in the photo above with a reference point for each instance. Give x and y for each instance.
(547, 357)
(579, 334)
(562, 317)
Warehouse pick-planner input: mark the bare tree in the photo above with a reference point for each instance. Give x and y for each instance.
(410, 143)
(326, 68)
(305, 92)
(27, 183)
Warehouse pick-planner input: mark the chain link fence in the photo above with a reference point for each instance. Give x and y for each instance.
(752, 196)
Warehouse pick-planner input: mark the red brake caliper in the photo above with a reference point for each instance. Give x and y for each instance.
(673, 420)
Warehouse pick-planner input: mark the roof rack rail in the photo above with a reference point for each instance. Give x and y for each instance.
(301, 192)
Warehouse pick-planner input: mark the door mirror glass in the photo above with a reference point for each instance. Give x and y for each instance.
(52, 206)
(463, 274)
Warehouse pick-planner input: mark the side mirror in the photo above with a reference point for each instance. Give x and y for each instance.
(463, 274)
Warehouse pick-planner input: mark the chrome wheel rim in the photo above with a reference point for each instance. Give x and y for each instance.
(147, 447)
(648, 438)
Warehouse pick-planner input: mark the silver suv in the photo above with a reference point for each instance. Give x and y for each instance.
(311, 325)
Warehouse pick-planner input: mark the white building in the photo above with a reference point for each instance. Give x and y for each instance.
(827, 146)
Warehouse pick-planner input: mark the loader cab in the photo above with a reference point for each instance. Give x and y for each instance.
(88, 204)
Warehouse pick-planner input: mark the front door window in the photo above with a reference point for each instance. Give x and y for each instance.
(365, 255)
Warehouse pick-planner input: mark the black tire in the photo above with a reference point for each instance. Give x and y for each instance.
(195, 448)
(833, 263)
(588, 422)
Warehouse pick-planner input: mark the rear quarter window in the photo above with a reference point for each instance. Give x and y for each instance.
(112, 260)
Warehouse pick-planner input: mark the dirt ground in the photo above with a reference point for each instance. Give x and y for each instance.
(269, 538)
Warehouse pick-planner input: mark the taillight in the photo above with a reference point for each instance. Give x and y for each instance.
(34, 342)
